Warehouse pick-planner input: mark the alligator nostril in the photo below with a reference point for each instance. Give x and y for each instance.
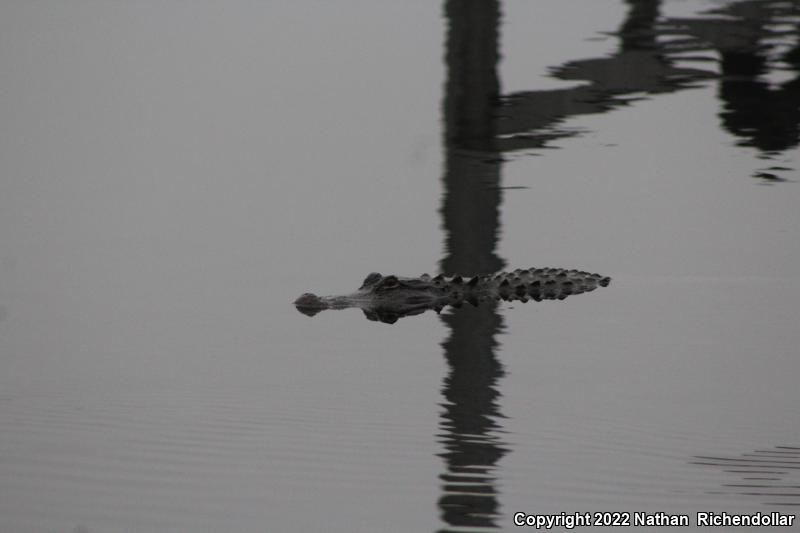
(309, 301)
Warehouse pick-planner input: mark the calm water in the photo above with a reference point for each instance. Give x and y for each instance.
(175, 174)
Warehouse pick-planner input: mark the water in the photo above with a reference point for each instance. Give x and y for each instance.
(173, 176)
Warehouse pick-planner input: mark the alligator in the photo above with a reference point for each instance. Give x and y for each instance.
(388, 298)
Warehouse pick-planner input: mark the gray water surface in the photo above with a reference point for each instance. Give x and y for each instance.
(175, 174)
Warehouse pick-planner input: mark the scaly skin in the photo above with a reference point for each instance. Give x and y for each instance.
(387, 298)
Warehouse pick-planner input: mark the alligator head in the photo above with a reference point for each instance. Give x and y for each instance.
(382, 298)
(388, 298)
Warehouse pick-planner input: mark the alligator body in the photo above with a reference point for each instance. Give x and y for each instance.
(388, 298)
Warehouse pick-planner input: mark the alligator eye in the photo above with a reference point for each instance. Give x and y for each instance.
(371, 279)
(390, 282)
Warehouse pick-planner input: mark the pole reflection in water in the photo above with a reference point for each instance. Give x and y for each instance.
(764, 116)
(469, 429)
(758, 44)
(755, 41)
(470, 432)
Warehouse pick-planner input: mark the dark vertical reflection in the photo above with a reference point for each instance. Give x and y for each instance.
(745, 35)
(469, 431)
(649, 61)
(762, 116)
(472, 165)
(636, 32)
(480, 124)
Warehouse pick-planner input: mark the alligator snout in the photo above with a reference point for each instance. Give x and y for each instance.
(310, 304)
